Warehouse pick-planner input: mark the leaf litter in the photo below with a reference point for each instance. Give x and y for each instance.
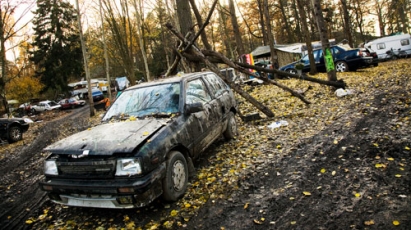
(278, 178)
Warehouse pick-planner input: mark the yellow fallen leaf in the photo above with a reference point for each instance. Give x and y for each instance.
(390, 158)
(126, 218)
(357, 194)
(29, 221)
(369, 222)
(307, 193)
(333, 173)
(375, 144)
(262, 219)
(257, 221)
(145, 133)
(407, 148)
(174, 213)
(398, 175)
(293, 222)
(322, 170)
(335, 142)
(246, 205)
(187, 205)
(396, 222)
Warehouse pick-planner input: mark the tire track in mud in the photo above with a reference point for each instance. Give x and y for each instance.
(21, 171)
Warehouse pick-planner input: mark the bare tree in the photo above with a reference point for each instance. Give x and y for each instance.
(85, 59)
(347, 22)
(10, 27)
(306, 32)
(139, 15)
(322, 28)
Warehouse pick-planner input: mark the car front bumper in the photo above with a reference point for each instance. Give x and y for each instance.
(115, 193)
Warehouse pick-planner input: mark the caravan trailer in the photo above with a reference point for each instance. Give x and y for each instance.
(396, 43)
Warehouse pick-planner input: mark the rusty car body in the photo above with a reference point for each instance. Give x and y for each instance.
(145, 145)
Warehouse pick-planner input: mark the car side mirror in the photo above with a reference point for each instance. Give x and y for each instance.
(193, 108)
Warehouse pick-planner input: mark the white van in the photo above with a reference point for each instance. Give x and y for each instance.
(398, 43)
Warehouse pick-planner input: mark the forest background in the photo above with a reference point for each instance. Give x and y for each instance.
(41, 54)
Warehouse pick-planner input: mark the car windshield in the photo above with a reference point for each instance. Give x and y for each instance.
(156, 100)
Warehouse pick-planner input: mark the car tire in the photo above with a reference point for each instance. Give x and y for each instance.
(176, 179)
(341, 66)
(293, 71)
(15, 134)
(231, 131)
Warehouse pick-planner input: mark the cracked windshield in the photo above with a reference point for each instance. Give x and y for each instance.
(147, 101)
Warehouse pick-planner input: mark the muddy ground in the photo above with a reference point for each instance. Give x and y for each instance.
(350, 173)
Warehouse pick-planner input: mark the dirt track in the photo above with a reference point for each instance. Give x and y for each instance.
(353, 174)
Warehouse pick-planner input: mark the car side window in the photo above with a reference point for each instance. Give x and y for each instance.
(196, 91)
(217, 85)
(405, 42)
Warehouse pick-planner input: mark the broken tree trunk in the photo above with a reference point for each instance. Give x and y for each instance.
(191, 49)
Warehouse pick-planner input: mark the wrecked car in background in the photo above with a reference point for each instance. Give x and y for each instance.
(144, 146)
(12, 129)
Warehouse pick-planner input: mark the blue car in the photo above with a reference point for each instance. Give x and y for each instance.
(345, 59)
(97, 95)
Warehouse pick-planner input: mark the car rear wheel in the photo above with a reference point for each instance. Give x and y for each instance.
(176, 179)
(341, 66)
(15, 134)
(231, 131)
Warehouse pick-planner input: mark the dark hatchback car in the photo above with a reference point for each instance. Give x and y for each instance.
(144, 146)
(345, 59)
(12, 129)
(97, 95)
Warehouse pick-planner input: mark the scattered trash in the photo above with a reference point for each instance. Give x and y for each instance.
(277, 124)
(343, 92)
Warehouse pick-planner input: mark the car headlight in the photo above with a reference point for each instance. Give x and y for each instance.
(50, 167)
(128, 167)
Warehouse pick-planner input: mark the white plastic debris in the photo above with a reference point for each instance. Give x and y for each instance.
(277, 124)
(343, 92)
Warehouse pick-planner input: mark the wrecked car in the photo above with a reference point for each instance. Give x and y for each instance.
(144, 147)
(12, 129)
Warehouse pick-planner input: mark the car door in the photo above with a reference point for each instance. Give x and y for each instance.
(204, 128)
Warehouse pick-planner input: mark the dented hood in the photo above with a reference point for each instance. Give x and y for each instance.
(109, 138)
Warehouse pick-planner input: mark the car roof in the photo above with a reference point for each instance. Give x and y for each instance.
(172, 79)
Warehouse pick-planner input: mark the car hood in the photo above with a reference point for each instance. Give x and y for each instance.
(107, 139)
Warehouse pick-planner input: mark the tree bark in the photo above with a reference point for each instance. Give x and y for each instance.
(236, 29)
(306, 32)
(322, 29)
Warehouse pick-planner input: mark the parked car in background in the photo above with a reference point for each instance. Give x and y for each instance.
(97, 95)
(144, 146)
(345, 59)
(368, 52)
(12, 129)
(390, 47)
(45, 106)
(71, 103)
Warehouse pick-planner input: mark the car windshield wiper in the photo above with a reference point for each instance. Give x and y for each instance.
(118, 117)
(157, 115)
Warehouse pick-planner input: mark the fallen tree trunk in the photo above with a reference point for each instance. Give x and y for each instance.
(194, 51)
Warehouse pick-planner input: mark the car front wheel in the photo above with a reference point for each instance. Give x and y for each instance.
(341, 66)
(176, 179)
(15, 134)
(293, 71)
(231, 130)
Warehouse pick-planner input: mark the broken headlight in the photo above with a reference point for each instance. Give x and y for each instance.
(128, 167)
(50, 167)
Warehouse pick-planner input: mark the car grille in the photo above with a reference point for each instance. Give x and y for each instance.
(87, 169)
